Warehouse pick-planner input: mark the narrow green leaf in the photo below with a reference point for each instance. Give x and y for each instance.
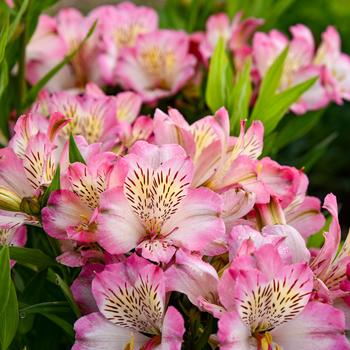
(4, 33)
(220, 78)
(5, 277)
(311, 157)
(33, 92)
(241, 95)
(55, 278)
(55, 185)
(31, 256)
(48, 307)
(4, 76)
(280, 104)
(296, 127)
(74, 153)
(9, 319)
(17, 20)
(269, 85)
(66, 326)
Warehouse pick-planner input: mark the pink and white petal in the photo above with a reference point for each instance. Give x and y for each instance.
(173, 330)
(12, 219)
(81, 288)
(131, 294)
(119, 229)
(200, 211)
(280, 181)
(192, 276)
(320, 264)
(318, 326)
(233, 333)
(306, 218)
(95, 332)
(12, 174)
(64, 210)
(154, 155)
(128, 106)
(293, 241)
(157, 250)
(237, 203)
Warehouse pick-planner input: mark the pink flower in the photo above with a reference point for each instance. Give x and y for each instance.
(56, 37)
(234, 34)
(131, 300)
(122, 24)
(26, 174)
(298, 66)
(154, 208)
(268, 307)
(71, 211)
(337, 65)
(329, 266)
(157, 66)
(88, 116)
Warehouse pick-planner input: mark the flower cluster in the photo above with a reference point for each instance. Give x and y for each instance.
(172, 222)
(158, 207)
(128, 49)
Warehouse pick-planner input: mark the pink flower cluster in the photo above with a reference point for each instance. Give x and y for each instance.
(160, 206)
(303, 62)
(157, 207)
(128, 49)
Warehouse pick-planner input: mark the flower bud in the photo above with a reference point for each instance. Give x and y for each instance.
(30, 205)
(9, 200)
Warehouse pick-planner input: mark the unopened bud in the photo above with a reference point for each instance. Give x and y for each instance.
(30, 205)
(9, 200)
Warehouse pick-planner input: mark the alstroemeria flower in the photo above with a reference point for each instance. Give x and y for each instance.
(328, 265)
(122, 24)
(337, 65)
(298, 66)
(268, 307)
(71, 211)
(132, 313)
(158, 65)
(234, 34)
(26, 174)
(54, 38)
(156, 210)
(88, 116)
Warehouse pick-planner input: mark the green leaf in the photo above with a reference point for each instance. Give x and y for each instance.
(15, 23)
(9, 319)
(296, 127)
(5, 277)
(241, 95)
(311, 157)
(55, 278)
(220, 78)
(32, 257)
(4, 33)
(269, 85)
(74, 153)
(55, 185)
(33, 92)
(4, 76)
(279, 105)
(48, 307)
